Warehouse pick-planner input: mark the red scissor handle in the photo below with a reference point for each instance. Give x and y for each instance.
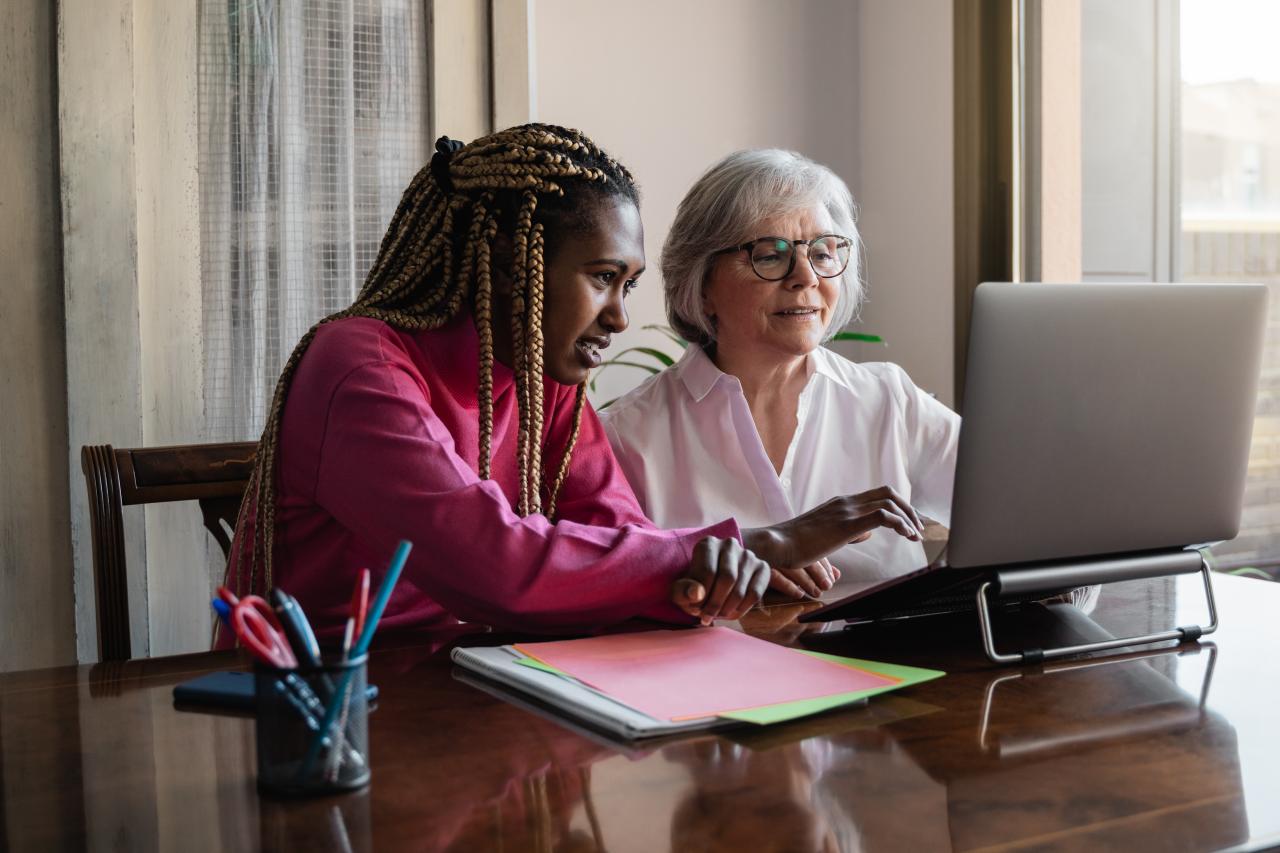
(258, 627)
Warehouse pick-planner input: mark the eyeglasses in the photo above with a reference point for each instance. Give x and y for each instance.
(774, 258)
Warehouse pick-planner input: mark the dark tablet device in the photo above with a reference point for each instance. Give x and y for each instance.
(232, 691)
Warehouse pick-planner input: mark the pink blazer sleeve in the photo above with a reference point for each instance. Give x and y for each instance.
(388, 469)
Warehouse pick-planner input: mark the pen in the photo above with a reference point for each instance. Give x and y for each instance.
(299, 706)
(297, 629)
(366, 637)
(296, 692)
(223, 610)
(360, 602)
(384, 595)
(301, 691)
(297, 703)
(355, 621)
(359, 606)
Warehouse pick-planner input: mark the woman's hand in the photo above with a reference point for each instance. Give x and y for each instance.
(806, 539)
(724, 581)
(806, 582)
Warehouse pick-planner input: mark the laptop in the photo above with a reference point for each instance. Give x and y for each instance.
(1100, 420)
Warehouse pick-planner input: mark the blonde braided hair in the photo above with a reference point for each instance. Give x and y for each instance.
(438, 252)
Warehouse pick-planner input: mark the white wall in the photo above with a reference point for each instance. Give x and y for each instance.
(184, 564)
(35, 543)
(865, 87)
(669, 87)
(907, 187)
(130, 221)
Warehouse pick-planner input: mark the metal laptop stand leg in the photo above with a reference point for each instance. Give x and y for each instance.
(1015, 582)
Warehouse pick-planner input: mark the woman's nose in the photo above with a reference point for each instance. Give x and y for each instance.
(802, 276)
(614, 316)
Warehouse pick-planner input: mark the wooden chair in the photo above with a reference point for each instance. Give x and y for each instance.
(216, 475)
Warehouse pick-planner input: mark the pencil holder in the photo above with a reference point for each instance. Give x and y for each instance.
(313, 728)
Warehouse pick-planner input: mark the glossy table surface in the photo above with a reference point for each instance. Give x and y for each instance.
(1170, 749)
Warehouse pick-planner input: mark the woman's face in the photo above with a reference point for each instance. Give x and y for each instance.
(769, 319)
(586, 281)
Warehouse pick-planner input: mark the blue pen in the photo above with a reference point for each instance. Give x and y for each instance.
(384, 595)
(223, 610)
(337, 703)
(349, 754)
(296, 628)
(297, 704)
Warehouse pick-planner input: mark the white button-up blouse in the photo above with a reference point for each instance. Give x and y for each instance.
(688, 445)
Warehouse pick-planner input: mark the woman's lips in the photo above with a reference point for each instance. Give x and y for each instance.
(588, 354)
(797, 314)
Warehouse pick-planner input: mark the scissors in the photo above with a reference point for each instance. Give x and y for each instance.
(258, 627)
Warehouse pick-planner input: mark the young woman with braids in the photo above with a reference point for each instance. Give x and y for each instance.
(447, 406)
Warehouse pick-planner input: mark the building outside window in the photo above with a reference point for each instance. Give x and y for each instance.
(1230, 214)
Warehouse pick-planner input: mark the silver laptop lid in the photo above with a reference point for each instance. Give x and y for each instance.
(1104, 418)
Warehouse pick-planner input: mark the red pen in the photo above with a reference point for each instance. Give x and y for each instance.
(360, 601)
(359, 607)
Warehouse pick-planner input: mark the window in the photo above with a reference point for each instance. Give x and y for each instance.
(1230, 223)
(313, 119)
(1180, 120)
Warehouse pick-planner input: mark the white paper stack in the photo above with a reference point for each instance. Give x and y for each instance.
(575, 699)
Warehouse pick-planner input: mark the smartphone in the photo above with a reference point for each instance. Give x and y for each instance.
(231, 691)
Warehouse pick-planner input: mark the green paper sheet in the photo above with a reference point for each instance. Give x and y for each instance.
(768, 714)
(534, 663)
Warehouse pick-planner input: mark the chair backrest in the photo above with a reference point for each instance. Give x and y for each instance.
(216, 475)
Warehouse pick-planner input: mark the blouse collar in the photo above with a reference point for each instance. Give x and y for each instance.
(698, 372)
(700, 375)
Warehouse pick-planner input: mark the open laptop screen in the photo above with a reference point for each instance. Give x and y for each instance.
(1104, 418)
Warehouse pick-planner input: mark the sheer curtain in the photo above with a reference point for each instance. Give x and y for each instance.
(313, 119)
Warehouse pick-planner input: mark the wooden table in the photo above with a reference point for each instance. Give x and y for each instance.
(1168, 751)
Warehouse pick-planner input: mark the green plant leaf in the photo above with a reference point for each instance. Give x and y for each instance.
(669, 332)
(656, 354)
(648, 367)
(857, 336)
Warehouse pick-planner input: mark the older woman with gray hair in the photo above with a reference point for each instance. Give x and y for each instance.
(758, 420)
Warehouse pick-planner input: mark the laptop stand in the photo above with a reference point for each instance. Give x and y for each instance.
(1019, 583)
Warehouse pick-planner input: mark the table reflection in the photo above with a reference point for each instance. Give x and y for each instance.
(1065, 755)
(1080, 752)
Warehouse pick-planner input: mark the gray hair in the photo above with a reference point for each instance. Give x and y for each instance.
(730, 200)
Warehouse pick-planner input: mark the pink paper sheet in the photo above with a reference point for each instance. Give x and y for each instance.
(701, 672)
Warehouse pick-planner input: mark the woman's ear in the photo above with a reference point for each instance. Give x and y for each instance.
(501, 261)
(708, 305)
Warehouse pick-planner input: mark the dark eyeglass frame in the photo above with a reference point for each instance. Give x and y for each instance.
(791, 267)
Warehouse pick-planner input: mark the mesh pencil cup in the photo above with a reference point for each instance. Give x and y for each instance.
(313, 728)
